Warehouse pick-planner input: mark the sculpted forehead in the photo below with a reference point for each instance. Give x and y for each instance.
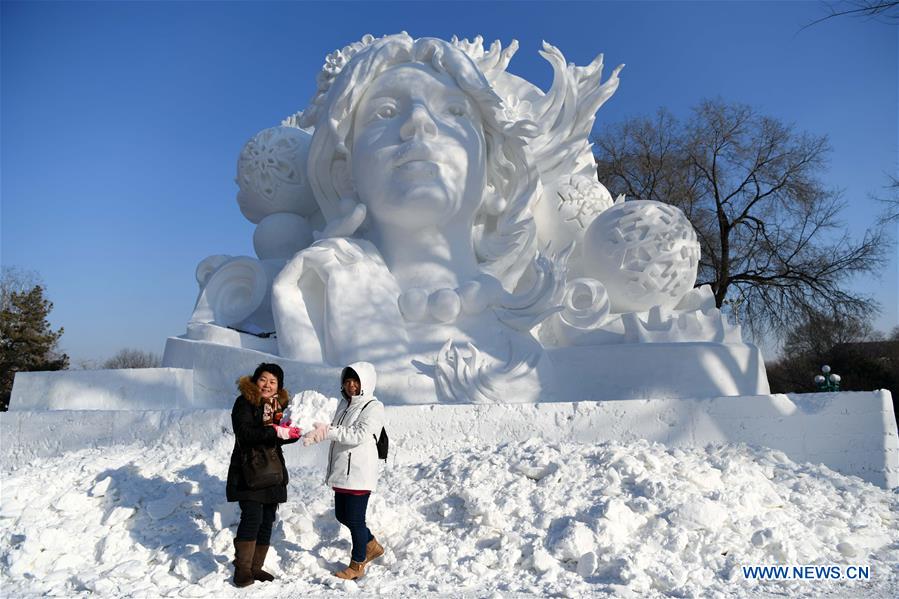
(411, 79)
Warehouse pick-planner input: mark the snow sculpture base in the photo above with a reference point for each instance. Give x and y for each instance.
(657, 370)
(604, 372)
(852, 433)
(120, 389)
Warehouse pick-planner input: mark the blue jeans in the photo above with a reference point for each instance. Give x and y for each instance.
(256, 520)
(350, 511)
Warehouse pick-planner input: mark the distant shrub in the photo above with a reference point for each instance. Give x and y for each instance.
(132, 358)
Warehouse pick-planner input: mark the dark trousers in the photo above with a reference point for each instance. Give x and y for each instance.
(256, 521)
(350, 511)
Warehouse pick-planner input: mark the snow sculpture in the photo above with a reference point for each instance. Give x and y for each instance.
(460, 232)
(645, 252)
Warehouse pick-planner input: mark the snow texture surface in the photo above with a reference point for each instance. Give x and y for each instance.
(508, 519)
(851, 432)
(309, 407)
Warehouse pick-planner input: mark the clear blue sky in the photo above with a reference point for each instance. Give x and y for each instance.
(121, 122)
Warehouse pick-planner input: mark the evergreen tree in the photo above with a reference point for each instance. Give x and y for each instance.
(27, 342)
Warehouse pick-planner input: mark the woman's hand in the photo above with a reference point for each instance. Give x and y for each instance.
(286, 433)
(317, 435)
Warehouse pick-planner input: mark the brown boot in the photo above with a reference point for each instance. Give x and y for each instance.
(373, 551)
(259, 559)
(243, 562)
(352, 572)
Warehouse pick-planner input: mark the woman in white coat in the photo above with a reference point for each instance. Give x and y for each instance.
(353, 460)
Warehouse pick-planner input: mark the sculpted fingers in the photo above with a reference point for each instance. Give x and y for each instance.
(345, 225)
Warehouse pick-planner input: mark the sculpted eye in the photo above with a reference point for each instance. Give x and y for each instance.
(386, 112)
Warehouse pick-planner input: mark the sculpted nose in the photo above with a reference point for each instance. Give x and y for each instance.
(419, 123)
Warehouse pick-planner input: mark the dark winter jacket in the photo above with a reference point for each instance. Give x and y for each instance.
(249, 430)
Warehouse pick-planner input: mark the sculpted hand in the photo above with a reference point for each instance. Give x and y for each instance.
(287, 433)
(317, 435)
(345, 225)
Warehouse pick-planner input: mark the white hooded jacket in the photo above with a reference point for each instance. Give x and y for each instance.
(353, 456)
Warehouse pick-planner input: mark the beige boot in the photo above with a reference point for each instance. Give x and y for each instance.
(258, 560)
(352, 572)
(373, 551)
(243, 562)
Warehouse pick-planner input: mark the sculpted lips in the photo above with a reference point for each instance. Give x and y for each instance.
(416, 161)
(414, 153)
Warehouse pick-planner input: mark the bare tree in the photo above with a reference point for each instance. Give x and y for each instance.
(132, 358)
(771, 240)
(819, 333)
(886, 11)
(861, 355)
(891, 202)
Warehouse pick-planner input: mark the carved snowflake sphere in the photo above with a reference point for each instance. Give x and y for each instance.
(644, 252)
(582, 199)
(271, 173)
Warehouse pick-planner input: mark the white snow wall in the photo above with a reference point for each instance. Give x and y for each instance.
(851, 432)
(202, 376)
(118, 389)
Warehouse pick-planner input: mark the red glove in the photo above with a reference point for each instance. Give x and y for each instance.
(287, 433)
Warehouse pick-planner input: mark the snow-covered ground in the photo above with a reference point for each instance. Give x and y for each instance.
(524, 518)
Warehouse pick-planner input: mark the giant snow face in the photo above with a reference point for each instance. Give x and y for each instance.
(645, 253)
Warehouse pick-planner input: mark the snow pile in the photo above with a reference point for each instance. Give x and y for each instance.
(308, 407)
(516, 518)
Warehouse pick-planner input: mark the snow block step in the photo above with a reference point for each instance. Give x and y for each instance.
(120, 389)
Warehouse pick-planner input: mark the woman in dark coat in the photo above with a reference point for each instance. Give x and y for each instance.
(256, 420)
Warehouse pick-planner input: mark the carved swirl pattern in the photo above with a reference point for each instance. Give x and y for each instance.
(233, 292)
(585, 304)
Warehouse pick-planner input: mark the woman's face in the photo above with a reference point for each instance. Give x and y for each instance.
(418, 150)
(351, 387)
(267, 384)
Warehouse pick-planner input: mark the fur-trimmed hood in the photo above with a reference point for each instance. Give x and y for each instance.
(252, 394)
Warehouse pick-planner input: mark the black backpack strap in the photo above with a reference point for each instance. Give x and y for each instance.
(360, 413)
(374, 436)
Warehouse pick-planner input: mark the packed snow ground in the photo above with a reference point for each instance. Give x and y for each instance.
(494, 520)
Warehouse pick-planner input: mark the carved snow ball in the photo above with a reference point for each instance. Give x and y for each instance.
(568, 208)
(581, 199)
(644, 252)
(281, 235)
(271, 174)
